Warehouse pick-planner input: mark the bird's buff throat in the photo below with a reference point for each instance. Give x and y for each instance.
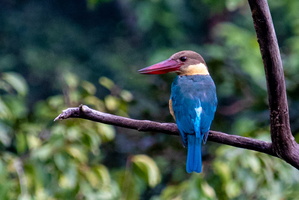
(197, 69)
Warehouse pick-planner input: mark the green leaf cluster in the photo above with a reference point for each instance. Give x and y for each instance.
(45, 160)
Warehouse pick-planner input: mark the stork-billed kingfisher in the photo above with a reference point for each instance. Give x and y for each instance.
(192, 103)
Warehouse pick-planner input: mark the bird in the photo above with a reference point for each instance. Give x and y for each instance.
(193, 101)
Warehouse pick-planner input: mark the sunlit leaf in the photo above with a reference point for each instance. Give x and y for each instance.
(126, 95)
(4, 110)
(56, 101)
(251, 184)
(232, 5)
(106, 82)
(61, 161)
(71, 79)
(174, 191)
(233, 189)
(107, 132)
(73, 134)
(69, 178)
(16, 107)
(208, 190)
(98, 104)
(25, 197)
(43, 153)
(111, 102)
(5, 137)
(223, 170)
(127, 185)
(103, 174)
(33, 141)
(254, 163)
(99, 177)
(93, 141)
(92, 178)
(21, 142)
(146, 168)
(77, 152)
(16, 81)
(89, 87)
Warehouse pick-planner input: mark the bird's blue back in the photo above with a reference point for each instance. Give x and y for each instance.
(194, 103)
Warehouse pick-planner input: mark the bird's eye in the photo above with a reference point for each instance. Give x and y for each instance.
(183, 58)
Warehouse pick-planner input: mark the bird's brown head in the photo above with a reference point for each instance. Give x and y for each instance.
(183, 63)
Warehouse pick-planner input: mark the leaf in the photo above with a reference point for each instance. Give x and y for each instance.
(24, 196)
(56, 101)
(111, 102)
(175, 192)
(208, 190)
(126, 95)
(146, 168)
(16, 81)
(43, 153)
(127, 185)
(254, 163)
(223, 170)
(68, 179)
(4, 110)
(61, 161)
(103, 174)
(107, 132)
(77, 152)
(33, 141)
(89, 87)
(16, 107)
(21, 142)
(106, 82)
(98, 177)
(233, 189)
(73, 134)
(5, 136)
(233, 5)
(71, 79)
(94, 101)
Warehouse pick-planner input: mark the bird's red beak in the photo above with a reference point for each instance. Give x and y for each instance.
(163, 67)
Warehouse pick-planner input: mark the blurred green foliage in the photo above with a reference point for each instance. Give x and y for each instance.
(45, 160)
(50, 48)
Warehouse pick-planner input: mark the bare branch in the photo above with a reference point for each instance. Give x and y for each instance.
(85, 112)
(284, 144)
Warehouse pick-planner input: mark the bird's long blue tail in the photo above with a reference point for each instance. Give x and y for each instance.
(194, 154)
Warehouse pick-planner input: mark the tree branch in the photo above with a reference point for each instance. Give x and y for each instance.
(85, 112)
(283, 141)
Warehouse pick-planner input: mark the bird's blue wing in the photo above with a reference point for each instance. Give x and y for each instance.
(187, 115)
(209, 109)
